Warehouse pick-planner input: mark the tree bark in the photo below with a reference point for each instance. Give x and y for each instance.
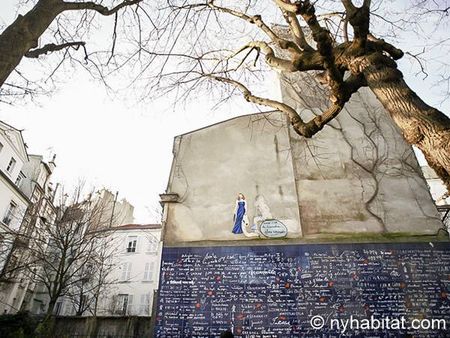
(51, 307)
(422, 125)
(23, 34)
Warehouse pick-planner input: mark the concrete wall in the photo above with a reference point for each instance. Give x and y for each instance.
(123, 210)
(357, 175)
(136, 327)
(249, 154)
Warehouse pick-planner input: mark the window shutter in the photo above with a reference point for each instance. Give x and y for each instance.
(146, 271)
(151, 271)
(138, 243)
(126, 271)
(129, 271)
(123, 276)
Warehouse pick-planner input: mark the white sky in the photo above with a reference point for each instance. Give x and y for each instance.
(123, 147)
(108, 143)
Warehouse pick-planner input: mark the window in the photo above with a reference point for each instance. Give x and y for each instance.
(148, 271)
(132, 243)
(36, 196)
(19, 179)
(126, 272)
(124, 304)
(11, 165)
(145, 305)
(153, 245)
(58, 308)
(9, 215)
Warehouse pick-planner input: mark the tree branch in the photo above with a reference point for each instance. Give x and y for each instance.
(325, 48)
(272, 60)
(97, 7)
(288, 6)
(394, 52)
(257, 21)
(307, 129)
(297, 31)
(367, 3)
(51, 47)
(359, 18)
(348, 5)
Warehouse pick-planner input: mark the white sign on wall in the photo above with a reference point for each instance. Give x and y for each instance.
(273, 228)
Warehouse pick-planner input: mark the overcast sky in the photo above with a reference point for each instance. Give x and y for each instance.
(108, 142)
(115, 144)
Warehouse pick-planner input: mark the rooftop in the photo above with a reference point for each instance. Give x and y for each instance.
(138, 226)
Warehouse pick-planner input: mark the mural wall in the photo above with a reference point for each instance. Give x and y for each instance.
(249, 155)
(252, 179)
(356, 176)
(297, 291)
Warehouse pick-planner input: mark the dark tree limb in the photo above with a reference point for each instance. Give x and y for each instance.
(306, 129)
(103, 10)
(370, 61)
(393, 51)
(51, 47)
(257, 20)
(21, 37)
(324, 43)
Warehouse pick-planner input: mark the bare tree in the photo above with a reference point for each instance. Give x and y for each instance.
(72, 253)
(65, 27)
(334, 40)
(64, 255)
(95, 279)
(219, 41)
(429, 21)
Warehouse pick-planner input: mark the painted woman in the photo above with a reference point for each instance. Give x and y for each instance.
(240, 213)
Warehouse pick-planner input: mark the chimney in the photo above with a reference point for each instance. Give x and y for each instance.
(52, 164)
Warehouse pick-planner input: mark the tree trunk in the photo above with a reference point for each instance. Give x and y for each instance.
(45, 328)
(51, 307)
(421, 125)
(23, 34)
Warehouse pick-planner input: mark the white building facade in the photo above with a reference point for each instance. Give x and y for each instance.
(439, 193)
(136, 255)
(437, 188)
(13, 155)
(114, 211)
(40, 190)
(17, 290)
(13, 202)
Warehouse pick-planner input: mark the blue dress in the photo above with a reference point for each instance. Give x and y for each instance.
(237, 229)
